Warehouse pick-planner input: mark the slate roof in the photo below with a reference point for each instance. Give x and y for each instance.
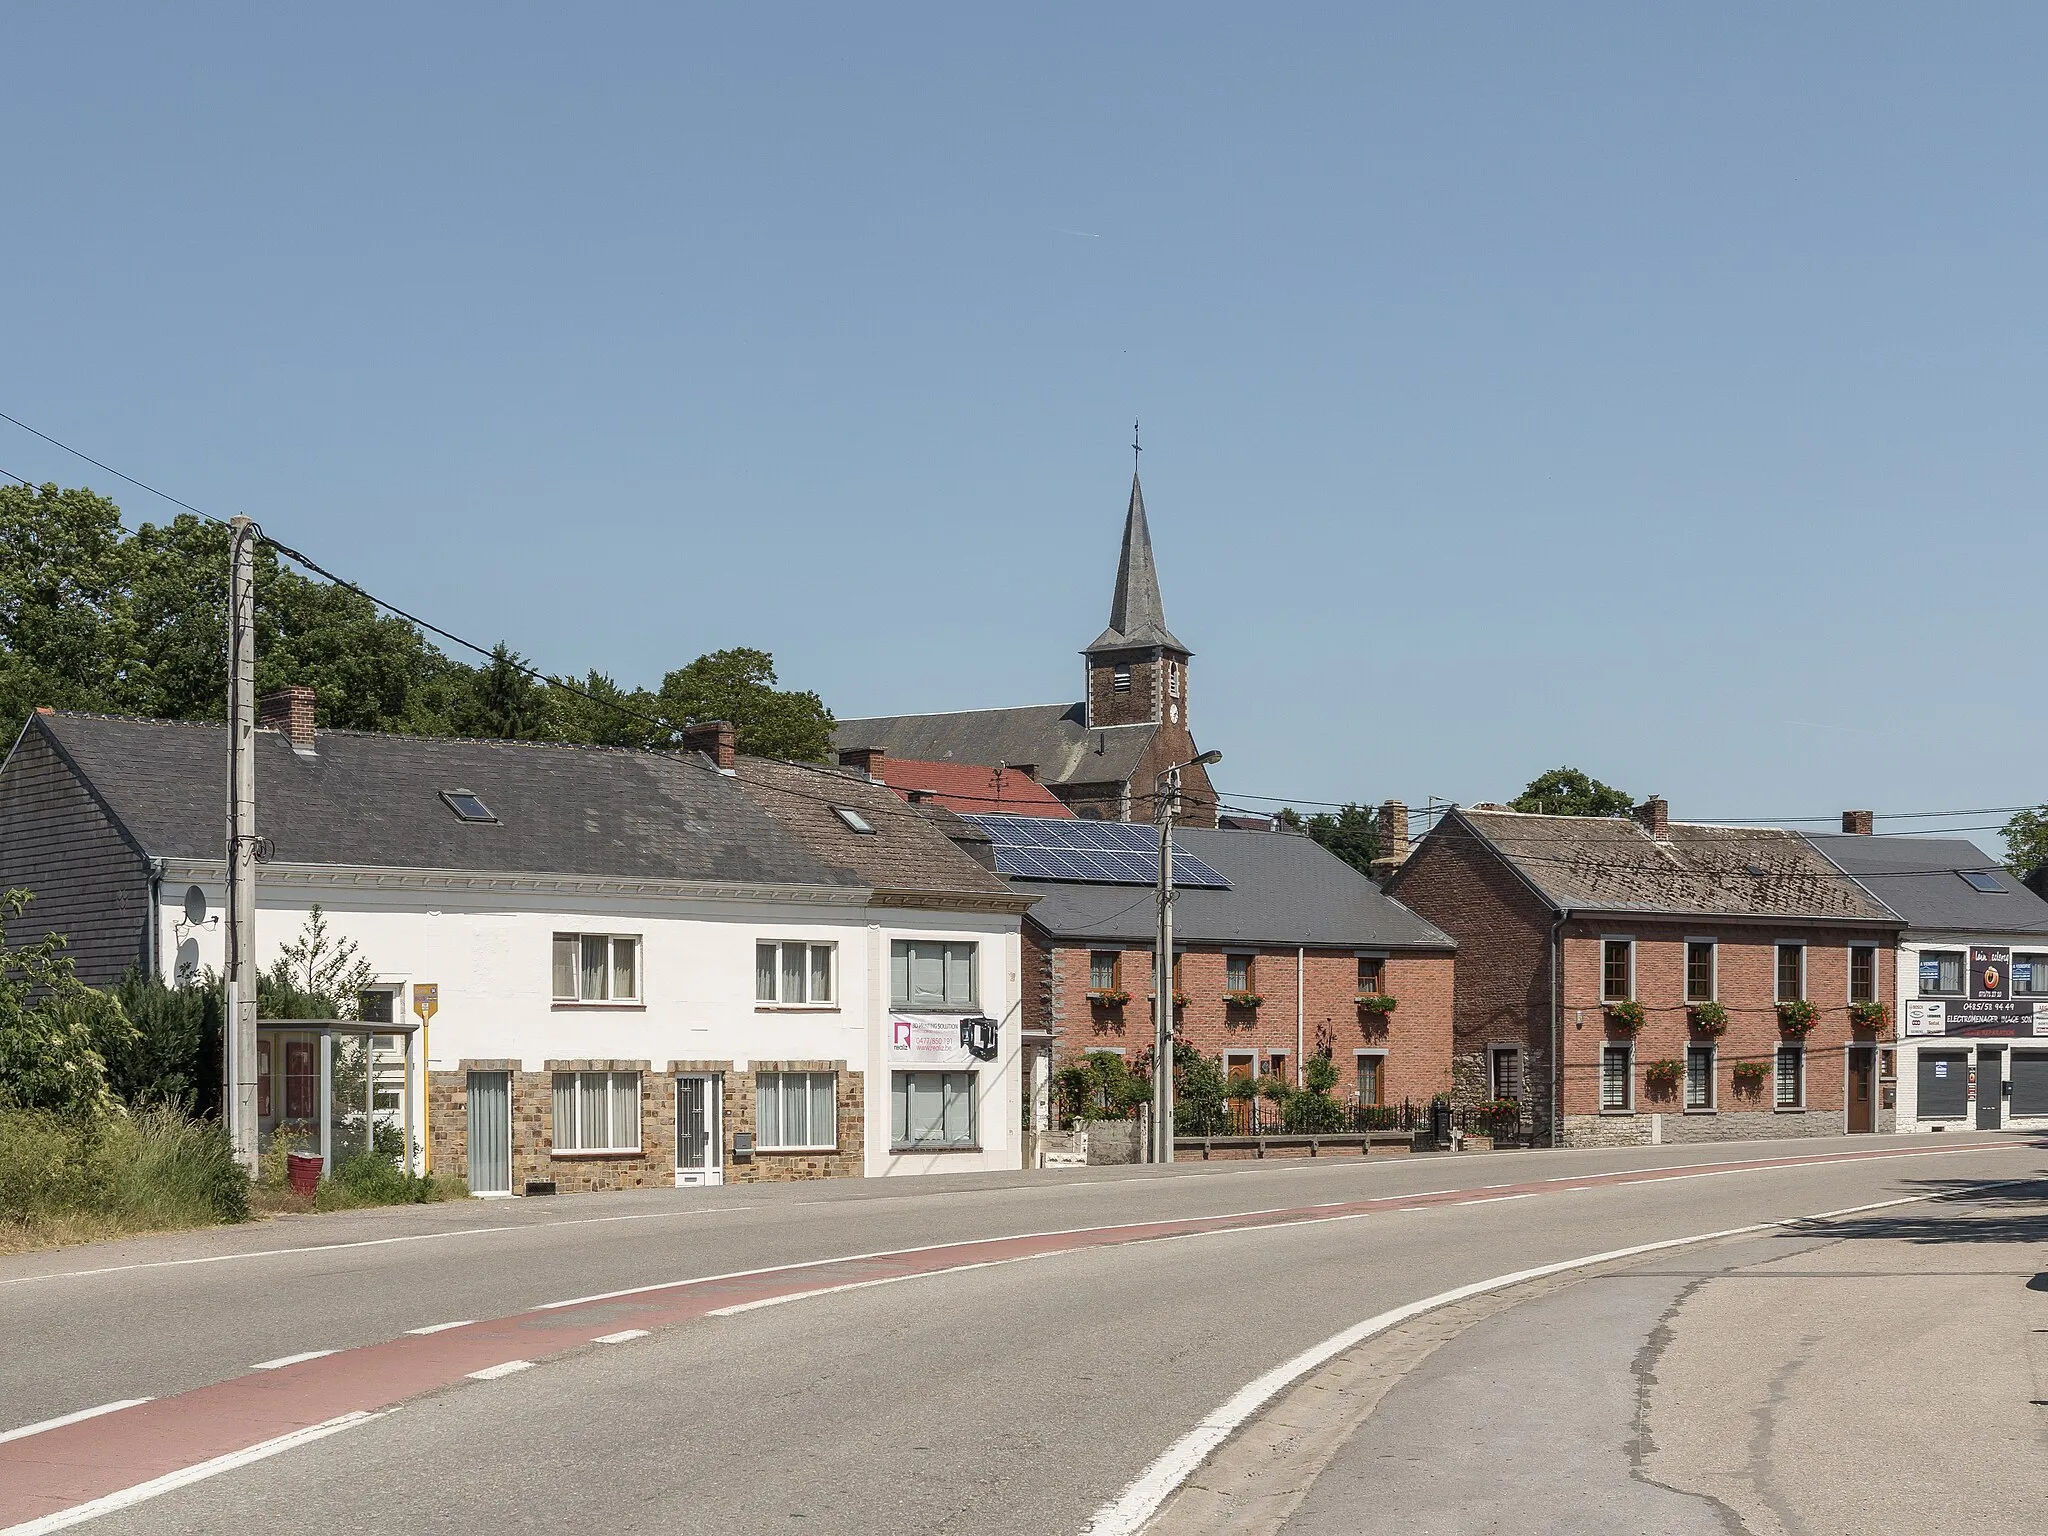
(1054, 739)
(1284, 889)
(907, 854)
(972, 788)
(1137, 615)
(375, 800)
(1612, 864)
(1918, 878)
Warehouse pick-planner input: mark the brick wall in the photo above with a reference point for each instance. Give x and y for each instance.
(1141, 702)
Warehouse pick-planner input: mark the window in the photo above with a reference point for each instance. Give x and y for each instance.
(1276, 1064)
(853, 819)
(377, 1005)
(1507, 1074)
(1791, 972)
(796, 1109)
(1237, 973)
(1982, 880)
(1617, 1079)
(1372, 974)
(1941, 970)
(1120, 679)
(1617, 970)
(1173, 679)
(1862, 973)
(1791, 1077)
(1699, 1077)
(2030, 972)
(466, 806)
(596, 968)
(1699, 970)
(1371, 1084)
(925, 973)
(931, 1109)
(1104, 967)
(793, 973)
(597, 1111)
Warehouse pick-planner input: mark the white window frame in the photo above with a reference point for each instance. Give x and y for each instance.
(973, 948)
(1777, 955)
(611, 999)
(761, 1132)
(1713, 1103)
(578, 1142)
(1628, 1054)
(1778, 1104)
(1713, 969)
(899, 1100)
(1618, 938)
(811, 946)
(1378, 1055)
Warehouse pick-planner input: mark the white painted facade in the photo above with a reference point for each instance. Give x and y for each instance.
(1911, 1047)
(485, 941)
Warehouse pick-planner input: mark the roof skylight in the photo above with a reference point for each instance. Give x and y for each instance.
(466, 805)
(853, 819)
(1980, 881)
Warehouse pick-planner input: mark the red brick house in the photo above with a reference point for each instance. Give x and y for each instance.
(1635, 979)
(967, 788)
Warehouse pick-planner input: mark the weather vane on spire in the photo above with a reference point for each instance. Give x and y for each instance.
(1135, 449)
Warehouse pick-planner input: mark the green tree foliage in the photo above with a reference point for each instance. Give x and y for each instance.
(1200, 1092)
(54, 1030)
(315, 976)
(502, 701)
(1100, 1086)
(739, 685)
(1353, 834)
(2026, 841)
(1568, 792)
(174, 1058)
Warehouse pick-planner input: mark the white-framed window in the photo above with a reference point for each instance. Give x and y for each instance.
(1791, 1077)
(1699, 1077)
(1506, 1064)
(932, 1109)
(1791, 972)
(1701, 967)
(796, 1110)
(2030, 973)
(793, 973)
(1372, 1078)
(597, 1111)
(1237, 973)
(1617, 969)
(1941, 972)
(597, 968)
(1617, 1079)
(932, 973)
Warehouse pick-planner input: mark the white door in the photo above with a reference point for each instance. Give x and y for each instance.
(699, 1131)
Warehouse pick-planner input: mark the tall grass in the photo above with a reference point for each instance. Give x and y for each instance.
(141, 1172)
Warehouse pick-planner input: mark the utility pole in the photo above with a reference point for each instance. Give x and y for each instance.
(238, 1045)
(1166, 805)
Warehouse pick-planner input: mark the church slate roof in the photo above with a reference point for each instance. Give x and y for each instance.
(1137, 614)
(1053, 739)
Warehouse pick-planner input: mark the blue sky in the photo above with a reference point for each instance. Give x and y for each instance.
(1653, 389)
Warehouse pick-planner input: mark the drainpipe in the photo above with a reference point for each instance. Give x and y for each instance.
(1300, 1040)
(1556, 1033)
(156, 891)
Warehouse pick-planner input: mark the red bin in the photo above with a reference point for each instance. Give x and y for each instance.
(305, 1173)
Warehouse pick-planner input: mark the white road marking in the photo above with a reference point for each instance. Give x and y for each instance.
(77, 1514)
(488, 1373)
(441, 1327)
(868, 1285)
(284, 1360)
(623, 1336)
(1495, 1199)
(70, 1418)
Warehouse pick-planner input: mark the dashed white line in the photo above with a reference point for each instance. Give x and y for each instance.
(284, 1360)
(70, 1418)
(441, 1327)
(488, 1373)
(623, 1336)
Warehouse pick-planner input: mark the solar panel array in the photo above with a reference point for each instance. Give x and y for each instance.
(1095, 852)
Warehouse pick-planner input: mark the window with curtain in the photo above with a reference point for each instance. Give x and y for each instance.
(597, 1111)
(793, 973)
(1617, 970)
(2030, 972)
(1102, 970)
(1370, 1079)
(597, 968)
(1616, 1077)
(1941, 970)
(932, 973)
(1791, 1077)
(1699, 970)
(1372, 974)
(796, 1109)
(932, 1109)
(1237, 973)
(1791, 972)
(1699, 1077)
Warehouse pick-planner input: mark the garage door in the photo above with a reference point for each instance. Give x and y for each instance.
(1944, 1085)
(2030, 1082)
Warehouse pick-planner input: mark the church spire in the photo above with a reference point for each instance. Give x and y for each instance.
(1137, 617)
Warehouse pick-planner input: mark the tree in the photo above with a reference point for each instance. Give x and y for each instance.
(55, 1031)
(314, 973)
(2026, 842)
(503, 703)
(1568, 792)
(739, 685)
(67, 635)
(1353, 834)
(597, 712)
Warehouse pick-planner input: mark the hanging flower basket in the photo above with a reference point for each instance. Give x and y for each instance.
(1662, 1077)
(1243, 999)
(1181, 999)
(1376, 1003)
(1709, 1018)
(1875, 1017)
(1749, 1076)
(1796, 1018)
(1628, 1017)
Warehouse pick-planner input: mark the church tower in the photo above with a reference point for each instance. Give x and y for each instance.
(1137, 670)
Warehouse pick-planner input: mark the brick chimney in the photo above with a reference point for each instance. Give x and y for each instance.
(1393, 839)
(868, 760)
(1655, 816)
(1863, 823)
(289, 710)
(714, 738)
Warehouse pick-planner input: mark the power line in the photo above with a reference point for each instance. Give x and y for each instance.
(96, 464)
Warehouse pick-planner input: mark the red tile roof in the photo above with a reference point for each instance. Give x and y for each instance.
(970, 788)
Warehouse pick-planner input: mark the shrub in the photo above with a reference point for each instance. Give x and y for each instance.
(1319, 1073)
(1199, 1090)
(141, 1172)
(1100, 1086)
(370, 1178)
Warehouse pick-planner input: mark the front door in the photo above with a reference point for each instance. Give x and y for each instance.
(699, 1139)
(1860, 1118)
(490, 1133)
(1990, 1089)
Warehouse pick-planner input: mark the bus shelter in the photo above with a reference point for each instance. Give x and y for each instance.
(336, 1088)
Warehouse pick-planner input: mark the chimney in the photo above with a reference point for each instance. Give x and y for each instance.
(1863, 823)
(714, 738)
(868, 760)
(1655, 816)
(289, 710)
(1393, 839)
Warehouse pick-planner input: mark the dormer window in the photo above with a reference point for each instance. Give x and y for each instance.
(1120, 679)
(466, 805)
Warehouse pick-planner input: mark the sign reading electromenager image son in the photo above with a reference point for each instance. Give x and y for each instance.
(1989, 1008)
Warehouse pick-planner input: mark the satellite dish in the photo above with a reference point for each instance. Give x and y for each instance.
(195, 905)
(188, 961)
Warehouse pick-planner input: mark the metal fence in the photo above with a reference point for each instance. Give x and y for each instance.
(1303, 1115)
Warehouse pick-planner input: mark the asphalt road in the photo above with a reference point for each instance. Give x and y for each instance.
(1016, 1397)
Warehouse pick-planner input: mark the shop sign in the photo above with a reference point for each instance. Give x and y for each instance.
(1925, 1017)
(927, 1040)
(1994, 1016)
(1990, 971)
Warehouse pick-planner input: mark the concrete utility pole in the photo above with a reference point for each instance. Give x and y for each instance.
(1166, 805)
(238, 1046)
